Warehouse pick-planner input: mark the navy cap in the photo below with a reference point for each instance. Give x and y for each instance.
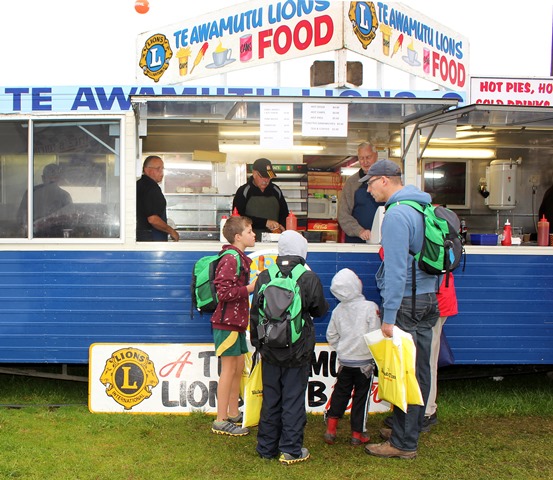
(382, 168)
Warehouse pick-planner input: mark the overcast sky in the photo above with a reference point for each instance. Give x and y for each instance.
(73, 42)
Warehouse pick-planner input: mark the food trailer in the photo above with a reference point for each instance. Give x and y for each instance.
(78, 277)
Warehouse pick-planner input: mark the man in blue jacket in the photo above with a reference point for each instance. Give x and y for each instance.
(403, 233)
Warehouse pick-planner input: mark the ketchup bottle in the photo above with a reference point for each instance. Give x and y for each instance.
(543, 232)
(506, 234)
(291, 222)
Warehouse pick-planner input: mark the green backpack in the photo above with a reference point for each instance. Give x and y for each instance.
(280, 322)
(204, 294)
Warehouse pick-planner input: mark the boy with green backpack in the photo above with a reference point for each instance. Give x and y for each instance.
(286, 349)
(230, 321)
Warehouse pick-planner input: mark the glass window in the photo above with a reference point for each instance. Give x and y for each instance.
(75, 176)
(447, 181)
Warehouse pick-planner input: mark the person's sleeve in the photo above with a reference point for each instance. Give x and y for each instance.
(283, 207)
(227, 283)
(348, 224)
(332, 336)
(318, 306)
(239, 201)
(397, 261)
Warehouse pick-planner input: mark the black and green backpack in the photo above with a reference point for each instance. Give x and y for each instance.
(280, 308)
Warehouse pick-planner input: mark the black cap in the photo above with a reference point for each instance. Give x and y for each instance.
(264, 167)
(382, 168)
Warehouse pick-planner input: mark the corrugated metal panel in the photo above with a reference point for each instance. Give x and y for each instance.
(55, 304)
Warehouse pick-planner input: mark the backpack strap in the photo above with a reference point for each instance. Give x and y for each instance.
(236, 256)
(417, 206)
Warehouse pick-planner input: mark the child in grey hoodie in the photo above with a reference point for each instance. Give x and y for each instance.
(351, 319)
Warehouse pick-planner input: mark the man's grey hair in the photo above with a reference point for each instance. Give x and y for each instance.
(367, 145)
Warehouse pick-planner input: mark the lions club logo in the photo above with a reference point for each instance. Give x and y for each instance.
(155, 57)
(129, 376)
(364, 22)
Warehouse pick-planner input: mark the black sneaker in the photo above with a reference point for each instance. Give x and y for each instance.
(228, 428)
(287, 459)
(427, 422)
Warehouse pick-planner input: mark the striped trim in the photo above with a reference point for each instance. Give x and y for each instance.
(229, 342)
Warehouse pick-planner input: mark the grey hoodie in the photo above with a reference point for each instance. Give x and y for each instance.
(351, 319)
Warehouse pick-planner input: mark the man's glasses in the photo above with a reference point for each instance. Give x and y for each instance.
(372, 180)
(156, 168)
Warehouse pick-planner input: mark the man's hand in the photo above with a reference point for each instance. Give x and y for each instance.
(387, 330)
(365, 234)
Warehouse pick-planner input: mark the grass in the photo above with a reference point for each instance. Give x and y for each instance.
(487, 430)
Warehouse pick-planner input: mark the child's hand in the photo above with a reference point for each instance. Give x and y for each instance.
(251, 285)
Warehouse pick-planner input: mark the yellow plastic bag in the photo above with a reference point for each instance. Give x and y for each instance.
(246, 371)
(413, 391)
(396, 360)
(253, 394)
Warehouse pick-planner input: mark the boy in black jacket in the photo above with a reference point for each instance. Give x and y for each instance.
(286, 370)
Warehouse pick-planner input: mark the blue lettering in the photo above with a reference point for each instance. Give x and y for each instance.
(84, 99)
(16, 92)
(38, 99)
(118, 95)
(322, 5)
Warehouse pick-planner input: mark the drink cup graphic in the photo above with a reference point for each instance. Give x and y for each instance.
(246, 48)
(386, 34)
(183, 54)
(221, 56)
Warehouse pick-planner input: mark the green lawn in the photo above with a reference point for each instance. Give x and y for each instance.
(487, 430)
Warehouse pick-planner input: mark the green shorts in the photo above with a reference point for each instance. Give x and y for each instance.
(229, 343)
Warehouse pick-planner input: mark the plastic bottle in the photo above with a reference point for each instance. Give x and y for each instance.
(222, 239)
(291, 222)
(463, 231)
(506, 234)
(235, 212)
(543, 232)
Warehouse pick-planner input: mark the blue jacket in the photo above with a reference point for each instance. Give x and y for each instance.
(402, 231)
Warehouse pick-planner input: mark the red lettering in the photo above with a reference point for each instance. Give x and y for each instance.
(264, 41)
(450, 71)
(283, 30)
(305, 34)
(304, 24)
(319, 22)
(181, 362)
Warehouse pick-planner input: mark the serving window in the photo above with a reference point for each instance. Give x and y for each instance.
(67, 185)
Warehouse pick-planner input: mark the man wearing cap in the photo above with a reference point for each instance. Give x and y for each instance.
(403, 233)
(262, 200)
(356, 208)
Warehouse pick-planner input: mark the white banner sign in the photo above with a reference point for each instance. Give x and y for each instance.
(268, 31)
(182, 378)
(537, 92)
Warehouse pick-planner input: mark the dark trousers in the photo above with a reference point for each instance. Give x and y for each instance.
(406, 426)
(283, 415)
(348, 379)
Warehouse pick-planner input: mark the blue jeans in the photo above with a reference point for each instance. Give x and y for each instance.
(406, 426)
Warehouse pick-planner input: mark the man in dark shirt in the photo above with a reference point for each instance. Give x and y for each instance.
(50, 216)
(261, 200)
(151, 214)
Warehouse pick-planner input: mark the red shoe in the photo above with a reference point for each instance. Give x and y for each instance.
(359, 438)
(330, 434)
